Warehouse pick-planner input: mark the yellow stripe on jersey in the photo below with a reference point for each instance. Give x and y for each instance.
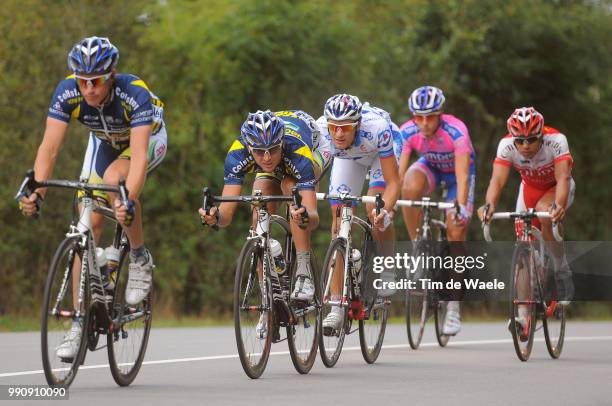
(304, 151)
(140, 83)
(236, 145)
(72, 76)
(76, 111)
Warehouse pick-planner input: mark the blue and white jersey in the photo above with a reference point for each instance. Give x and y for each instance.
(131, 104)
(374, 138)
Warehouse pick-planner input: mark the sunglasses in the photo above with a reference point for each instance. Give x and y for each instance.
(342, 127)
(260, 152)
(528, 140)
(92, 81)
(422, 119)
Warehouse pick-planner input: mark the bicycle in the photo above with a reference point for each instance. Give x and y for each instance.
(260, 290)
(82, 296)
(371, 312)
(421, 301)
(532, 285)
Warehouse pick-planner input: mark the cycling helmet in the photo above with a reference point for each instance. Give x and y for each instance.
(525, 122)
(426, 100)
(343, 107)
(93, 55)
(262, 129)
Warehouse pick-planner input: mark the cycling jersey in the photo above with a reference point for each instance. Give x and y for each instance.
(373, 141)
(539, 171)
(450, 139)
(131, 104)
(301, 125)
(297, 160)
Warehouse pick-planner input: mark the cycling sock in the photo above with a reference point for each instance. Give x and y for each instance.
(140, 254)
(454, 306)
(303, 263)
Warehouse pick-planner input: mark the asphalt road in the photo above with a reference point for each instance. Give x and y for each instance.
(479, 366)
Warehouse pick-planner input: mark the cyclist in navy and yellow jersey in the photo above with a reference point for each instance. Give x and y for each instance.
(278, 147)
(127, 140)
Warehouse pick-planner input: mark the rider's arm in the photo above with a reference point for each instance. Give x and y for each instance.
(55, 132)
(227, 209)
(391, 176)
(563, 177)
(403, 163)
(309, 201)
(139, 144)
(462, 173)
(496, 184)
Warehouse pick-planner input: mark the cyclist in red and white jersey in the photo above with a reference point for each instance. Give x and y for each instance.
(542, 157)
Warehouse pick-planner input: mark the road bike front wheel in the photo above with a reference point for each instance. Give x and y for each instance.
(522, 301)
(554, 319)
(127, 341)
(58, 313)
(252, 311)
(303, 332)
(416, 300)
(331, 338)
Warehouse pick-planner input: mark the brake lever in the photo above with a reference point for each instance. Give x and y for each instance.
(207, 204)
(297, 202)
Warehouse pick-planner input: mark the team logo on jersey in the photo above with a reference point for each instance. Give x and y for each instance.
(343, 188)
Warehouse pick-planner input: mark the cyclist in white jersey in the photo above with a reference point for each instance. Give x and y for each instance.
(361, 139)
(541, 155)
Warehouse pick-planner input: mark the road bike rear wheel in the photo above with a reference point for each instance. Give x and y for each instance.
(416, 300)
(372, 330)
(440, 315)
(554, 319)
(250, 305)
(522, 296)
(331, 340)
(303, 332)
(58, 313)
(127, 342)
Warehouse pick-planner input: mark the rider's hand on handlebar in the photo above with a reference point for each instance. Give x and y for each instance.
(383, 220)
(212, 218)
(299, 216)
(461, 216)
(557, 213)
(30, 205)
(485, 217)
(124, 214)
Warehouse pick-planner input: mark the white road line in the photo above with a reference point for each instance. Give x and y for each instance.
(391, 346)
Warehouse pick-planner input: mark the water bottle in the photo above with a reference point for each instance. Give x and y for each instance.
(277, 254)
(112, 266)
(356, 258)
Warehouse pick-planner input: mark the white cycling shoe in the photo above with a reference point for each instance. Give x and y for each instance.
(452, 323)
(70, 345)
(333, 321)
(304, 289)
(261, 330)
(140, 281)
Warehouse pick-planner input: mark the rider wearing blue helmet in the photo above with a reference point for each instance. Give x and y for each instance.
(127, 139)
(278, 148)
(446, 156)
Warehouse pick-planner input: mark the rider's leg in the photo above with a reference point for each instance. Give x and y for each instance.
(419, 181)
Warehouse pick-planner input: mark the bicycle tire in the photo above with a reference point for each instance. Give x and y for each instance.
(416, 303)
(68, 250)
(439, 316)
(336, 341)
(253, 363)
(523, 340)
(304, 364)
(124, 362)
(373, 329)
(554, 319)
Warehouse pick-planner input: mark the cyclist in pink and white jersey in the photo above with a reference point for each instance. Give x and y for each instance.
(541, 155)
(446, 155)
